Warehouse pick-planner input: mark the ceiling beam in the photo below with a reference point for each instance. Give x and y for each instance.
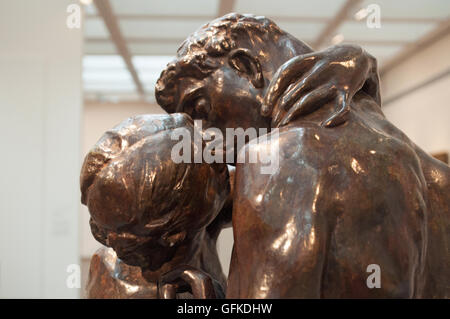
(300, 19)
(147, 40)
(161, 40)
(157, 17)
(411, 20)
(106, 12)
(383, 43)
(90, 101)
(225, 6)
(209, 17)
(417, 87)
(164, 46)
(334, 23)
(413, 48)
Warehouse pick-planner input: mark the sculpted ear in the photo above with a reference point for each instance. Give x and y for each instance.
(244, 62)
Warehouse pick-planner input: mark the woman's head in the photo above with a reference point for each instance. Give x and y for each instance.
(142, 203)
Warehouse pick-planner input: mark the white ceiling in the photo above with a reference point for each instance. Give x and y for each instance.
(165, 7)
(153, 30)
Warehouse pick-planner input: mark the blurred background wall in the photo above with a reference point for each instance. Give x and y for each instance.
(416, 96)
(40, 112)
(61, 88)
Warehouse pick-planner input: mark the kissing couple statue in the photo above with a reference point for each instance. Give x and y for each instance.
(350, 189)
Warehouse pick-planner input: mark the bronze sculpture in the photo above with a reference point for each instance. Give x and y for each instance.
(351, 189)
(155, 214)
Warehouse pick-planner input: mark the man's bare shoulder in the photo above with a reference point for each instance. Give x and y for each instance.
(296, 161)
(350, 157)
(288, 148)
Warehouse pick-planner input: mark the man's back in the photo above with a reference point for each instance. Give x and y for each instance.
(342, 199)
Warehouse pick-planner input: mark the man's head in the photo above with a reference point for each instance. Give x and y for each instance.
(142, 204)
(222, 70)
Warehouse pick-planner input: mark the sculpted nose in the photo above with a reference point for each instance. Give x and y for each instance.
(108, 147)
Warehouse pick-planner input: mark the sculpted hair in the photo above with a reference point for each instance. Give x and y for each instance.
(197, 55)
(129, 178)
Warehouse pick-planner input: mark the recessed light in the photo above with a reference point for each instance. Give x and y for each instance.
(86, 2)
(361, 14)
(338, 38)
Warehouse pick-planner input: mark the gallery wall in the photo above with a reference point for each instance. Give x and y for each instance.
(416, 95)
(40, 108)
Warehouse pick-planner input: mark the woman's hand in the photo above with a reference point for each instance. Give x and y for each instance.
(187, 278)
(306, 82)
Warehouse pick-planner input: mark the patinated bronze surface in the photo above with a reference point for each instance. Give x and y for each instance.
(155, 214)
(351, 190)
